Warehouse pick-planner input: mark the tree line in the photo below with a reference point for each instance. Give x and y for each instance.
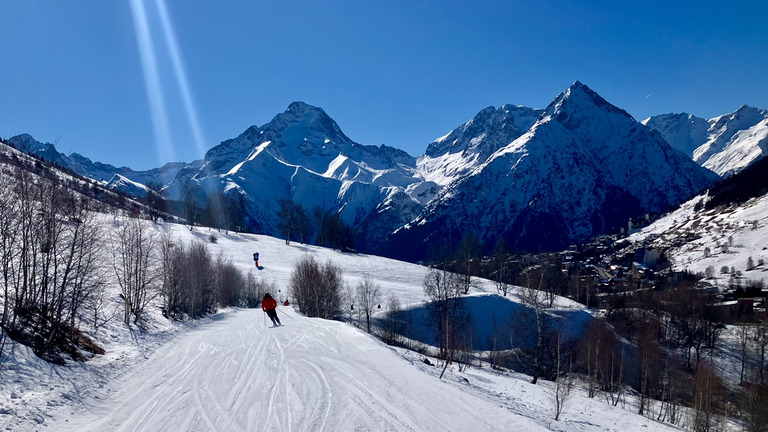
(327, 228)
(228, 212)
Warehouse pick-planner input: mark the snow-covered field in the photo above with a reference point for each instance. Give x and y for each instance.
(232, 372)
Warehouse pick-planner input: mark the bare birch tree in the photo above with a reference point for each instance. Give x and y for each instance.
(443, 289)
(317, 289)
(500, 271)
(535, 298)
(708, 398)
(367, 297)
(563, 377)
(133, 247)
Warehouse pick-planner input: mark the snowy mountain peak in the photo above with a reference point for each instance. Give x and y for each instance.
(307, 120)
(471, 144)
(581, 169)
(579, 100)
(47, 151)
(581, 90)
(744, 117)
(491, 129)
(683, 131)
(308, 130)
(300, 107)
(27, 144)
(127, 186)
(301, 135)
(744, 109)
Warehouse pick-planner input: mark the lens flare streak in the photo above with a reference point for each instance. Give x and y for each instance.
(181, 75)
(163, 139)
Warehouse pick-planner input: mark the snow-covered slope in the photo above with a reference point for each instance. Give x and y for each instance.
(232, 372)
(744, 148)
(695, 239)
(583, 168)
(727, 227)
(127, 186)
(310, 375)
(725, 144)
(684, 131)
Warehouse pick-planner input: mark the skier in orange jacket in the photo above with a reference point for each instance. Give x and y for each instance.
(269, 305)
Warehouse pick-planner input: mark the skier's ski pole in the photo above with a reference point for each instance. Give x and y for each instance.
(265, 318)
(284, 313)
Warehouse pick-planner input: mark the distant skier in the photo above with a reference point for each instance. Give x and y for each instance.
(269, 305)
(256, 259)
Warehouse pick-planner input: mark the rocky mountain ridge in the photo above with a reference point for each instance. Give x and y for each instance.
(538, 178)
(725, 144)
(583, 168)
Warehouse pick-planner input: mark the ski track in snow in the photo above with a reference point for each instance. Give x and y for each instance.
(236, 374)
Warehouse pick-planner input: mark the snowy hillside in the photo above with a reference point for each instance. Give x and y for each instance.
(233, 372)
(717, 238)
(725, 144)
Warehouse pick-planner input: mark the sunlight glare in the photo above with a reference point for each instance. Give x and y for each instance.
(152, 82)
(181, 76)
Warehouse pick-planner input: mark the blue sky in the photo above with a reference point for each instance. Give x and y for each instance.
(393, 72)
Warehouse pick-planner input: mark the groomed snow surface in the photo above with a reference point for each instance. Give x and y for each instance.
(234, 372)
